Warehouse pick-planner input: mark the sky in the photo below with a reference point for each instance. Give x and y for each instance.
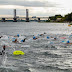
(44, 8)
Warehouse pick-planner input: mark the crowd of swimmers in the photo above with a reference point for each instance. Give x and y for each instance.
(15, 40)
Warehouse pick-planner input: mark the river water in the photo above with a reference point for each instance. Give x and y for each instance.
(42, 54)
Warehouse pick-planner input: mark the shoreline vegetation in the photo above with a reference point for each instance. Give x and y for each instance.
(61, 19)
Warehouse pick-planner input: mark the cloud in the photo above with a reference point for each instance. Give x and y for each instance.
(11, 7)
(28, 3)
(33, 11)
(36, 7)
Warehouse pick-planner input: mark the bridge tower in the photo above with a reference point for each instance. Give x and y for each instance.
(15, 18)
(27, 15)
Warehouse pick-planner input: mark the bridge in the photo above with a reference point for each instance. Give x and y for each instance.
(4, 19)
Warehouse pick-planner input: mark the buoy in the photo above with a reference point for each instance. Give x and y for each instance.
(18, 52)
(69, 25)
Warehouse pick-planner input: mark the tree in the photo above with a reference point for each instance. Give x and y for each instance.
(55, 17)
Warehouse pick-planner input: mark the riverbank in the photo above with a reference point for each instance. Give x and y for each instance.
(53, 22)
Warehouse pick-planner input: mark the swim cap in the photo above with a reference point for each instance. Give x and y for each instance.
(68, 41)
(21, 40)
(34, 37)
(47, 37)
(63, 41)
(18, 35)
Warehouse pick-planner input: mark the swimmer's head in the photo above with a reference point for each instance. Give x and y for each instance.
(18, 35)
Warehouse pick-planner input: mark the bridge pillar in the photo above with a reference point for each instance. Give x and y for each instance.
(3, 20)
(27, 19)
(14, 19)
(38, 19)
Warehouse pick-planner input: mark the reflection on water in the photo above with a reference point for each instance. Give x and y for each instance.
(45, 54)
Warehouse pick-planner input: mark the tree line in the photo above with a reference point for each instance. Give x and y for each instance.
(66, 18)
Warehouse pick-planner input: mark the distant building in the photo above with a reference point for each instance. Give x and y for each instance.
(58, 19)
(34, 17)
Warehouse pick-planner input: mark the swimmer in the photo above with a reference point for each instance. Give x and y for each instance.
(34, 38)
(15, 41)
(55, 38)
(24, 40)
(41, 34)
(4, 47)
(1, 36)
(51, 37)
(3, 50)
(17, 35)
(44, 32)
(2, 53)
